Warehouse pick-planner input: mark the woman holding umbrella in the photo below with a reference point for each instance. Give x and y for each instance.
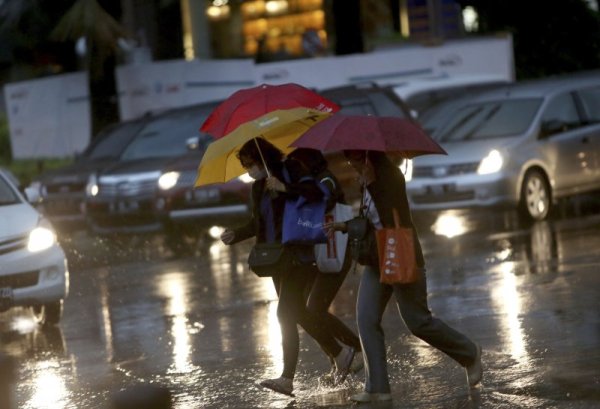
(264, 162)
(378, 174)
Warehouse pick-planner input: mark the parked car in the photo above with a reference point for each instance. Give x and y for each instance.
(189, 212)
(33, 267)
(62, 191)
(149, 189)
(524, 145)
(420, 94)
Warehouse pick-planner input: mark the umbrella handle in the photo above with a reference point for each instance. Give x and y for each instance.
(262, 157)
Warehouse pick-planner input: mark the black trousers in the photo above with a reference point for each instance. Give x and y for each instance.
(291, 287)
(320, 295)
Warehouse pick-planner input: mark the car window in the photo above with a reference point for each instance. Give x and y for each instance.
(357, 109)
(8, 195)
(488, 120)
(386, 106)
(590, 97)
(439, 114)
(166, 136)
(113, 140)
(562, 110)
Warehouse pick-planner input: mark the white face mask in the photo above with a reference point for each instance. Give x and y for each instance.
(257, 173)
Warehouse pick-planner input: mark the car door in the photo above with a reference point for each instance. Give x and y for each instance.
(564, 143)
(589, 98)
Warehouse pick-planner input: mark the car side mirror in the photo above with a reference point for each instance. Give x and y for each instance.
(551, 127)
(32, 192)
(193, 143)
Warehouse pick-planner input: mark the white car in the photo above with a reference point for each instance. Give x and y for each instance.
(33, 266)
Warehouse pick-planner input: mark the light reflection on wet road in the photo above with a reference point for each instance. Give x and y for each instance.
(206, 328)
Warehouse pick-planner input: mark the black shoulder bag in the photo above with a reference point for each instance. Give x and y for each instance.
(361, 237)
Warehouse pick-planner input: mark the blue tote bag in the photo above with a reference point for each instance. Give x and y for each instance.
(303, 221)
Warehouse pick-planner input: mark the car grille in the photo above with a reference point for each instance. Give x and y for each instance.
(443, 171)
(65, 188)
(127, 188)
(13, 244)
(21, 280)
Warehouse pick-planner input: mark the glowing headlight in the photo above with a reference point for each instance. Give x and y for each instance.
(491, 163)
(41, 238)
(246, 178)
(168, 180)
(215, 232)
(406, 167)
(91, 188)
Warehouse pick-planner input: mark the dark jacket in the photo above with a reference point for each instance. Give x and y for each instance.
(388, 192)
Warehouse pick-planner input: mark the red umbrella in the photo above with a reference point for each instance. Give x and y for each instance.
(371, 133)
(251, 103)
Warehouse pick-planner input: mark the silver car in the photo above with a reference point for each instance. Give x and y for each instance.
(524, 145)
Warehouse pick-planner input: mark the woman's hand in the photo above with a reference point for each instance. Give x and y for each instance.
(275, 184)
(331, 227)
(227, 236)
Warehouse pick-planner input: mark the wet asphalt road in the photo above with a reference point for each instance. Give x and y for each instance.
(205, 327)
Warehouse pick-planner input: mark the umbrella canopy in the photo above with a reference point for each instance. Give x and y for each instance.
(220, 163)
(251, 103)
(387, 134)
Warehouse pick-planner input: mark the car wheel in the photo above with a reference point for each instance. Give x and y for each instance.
(535, 196)
(48, 314)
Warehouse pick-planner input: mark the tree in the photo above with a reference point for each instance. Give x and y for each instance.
(87, 20)
(347, 27)
(42, 36)
(550, 37)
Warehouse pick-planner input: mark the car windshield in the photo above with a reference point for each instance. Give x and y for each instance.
(112, 140)
(7, 193)
(167, 135)
(488, 120)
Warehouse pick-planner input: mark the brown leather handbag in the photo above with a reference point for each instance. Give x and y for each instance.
(396, 250)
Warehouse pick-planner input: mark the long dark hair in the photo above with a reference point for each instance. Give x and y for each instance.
(311, 158)
(271, 154)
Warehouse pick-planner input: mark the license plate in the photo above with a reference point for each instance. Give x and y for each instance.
(6, 298)
(6, 292)
(124, 206)
(204, 196)
(439, 190)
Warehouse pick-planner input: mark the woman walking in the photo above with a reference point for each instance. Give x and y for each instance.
(325, 286)
(386, 191)
(268, 199)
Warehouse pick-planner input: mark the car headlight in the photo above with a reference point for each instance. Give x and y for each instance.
(41, 238)
(406, 167)
(91, 188)
(167, 180)
(246, 178)
(491, 163)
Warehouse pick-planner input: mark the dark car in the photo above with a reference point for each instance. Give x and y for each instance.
(143, 192)
(190, 212)
(62, 191)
